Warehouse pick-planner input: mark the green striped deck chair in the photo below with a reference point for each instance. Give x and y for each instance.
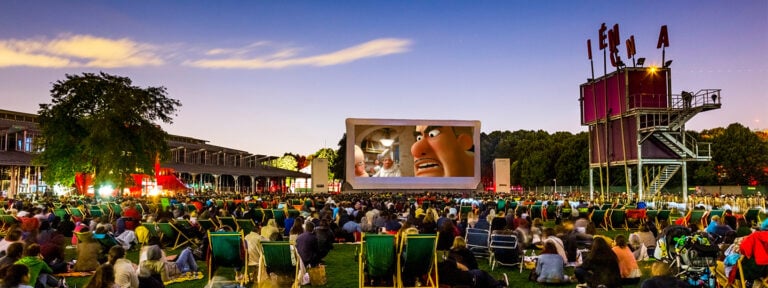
(376, 258)
(618, 219)
(207, 224)
(267, 215)
(551, 211)
(501, 205)
(169, 231)
(276, 257)
(418, 257)
(227, 249)
(598, 219)
(140, 209)
(606, 207)
(227, 221)
(246, 225)
(259, 215)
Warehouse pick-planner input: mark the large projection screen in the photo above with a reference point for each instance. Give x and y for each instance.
(412, 154)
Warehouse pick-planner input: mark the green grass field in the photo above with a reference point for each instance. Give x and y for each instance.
(342, 268)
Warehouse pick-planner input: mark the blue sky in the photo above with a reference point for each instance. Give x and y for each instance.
(271, 77)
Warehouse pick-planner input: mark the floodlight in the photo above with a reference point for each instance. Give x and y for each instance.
(667, 64)
(640, 61)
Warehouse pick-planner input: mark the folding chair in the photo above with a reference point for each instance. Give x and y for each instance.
(551, 211)
(60, 212)
(280, 258)
(504, 251)
(116, 209)
(618, 218)
(152, 229)
(76, 213)
(752, 216)
(227, 249)
(663, 215)
(376, 259)
(227, 221)
(279, 215)
(695, 216)
(8, 221)
(598, 219)
(97, 212)
(477, 241)
(246, 225)
(208, 224)
(536, 212)
(418, 257)
(718, 213)
(169, 231)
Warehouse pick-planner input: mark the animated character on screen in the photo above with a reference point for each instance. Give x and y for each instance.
(388, 169)
(443, 151)
(360, 162)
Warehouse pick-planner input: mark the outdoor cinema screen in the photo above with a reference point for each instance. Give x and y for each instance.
(413, 154)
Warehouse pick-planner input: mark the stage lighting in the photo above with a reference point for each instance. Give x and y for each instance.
(667, 64)
(620, 64)
(640, 62)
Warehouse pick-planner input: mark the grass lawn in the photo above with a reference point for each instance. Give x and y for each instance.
(342, 268)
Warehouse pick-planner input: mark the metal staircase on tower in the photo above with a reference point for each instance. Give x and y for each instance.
(662, 178)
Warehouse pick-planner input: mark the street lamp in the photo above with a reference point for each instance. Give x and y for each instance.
(555, 184)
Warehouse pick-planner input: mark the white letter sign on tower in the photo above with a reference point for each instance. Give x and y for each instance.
(501, 175)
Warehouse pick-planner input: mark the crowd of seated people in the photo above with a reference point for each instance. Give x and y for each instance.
(313, 223)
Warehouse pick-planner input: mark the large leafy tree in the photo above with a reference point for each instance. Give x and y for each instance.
(741, 155)
(102, 125)
(337, 164)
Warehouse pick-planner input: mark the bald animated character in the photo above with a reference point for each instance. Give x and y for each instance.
(443, 151)
(360, 162)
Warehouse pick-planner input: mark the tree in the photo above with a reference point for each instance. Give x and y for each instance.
(289, 161)
(102, 125)
(337, 164)
(329, 154)
(741, 155)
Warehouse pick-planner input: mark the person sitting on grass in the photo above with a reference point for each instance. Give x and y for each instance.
(601, 266)
(630, 272)
(662, 278)
(14, 253)
(17, 276)
(156, 264)
(39, 271)
(460, 269)
(549, 266)
(103, 278)
(125, 274)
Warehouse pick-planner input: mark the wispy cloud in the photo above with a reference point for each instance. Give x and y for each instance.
(235, 59)
(77, 51)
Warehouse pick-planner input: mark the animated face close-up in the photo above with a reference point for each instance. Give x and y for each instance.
(440, 152)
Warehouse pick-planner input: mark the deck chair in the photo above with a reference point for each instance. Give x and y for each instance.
(712, 213)
(293, 213)
(477, 241)
(168, 231)
(752, 216)
(8, 221)
(536, 212)
(152, 229)
(618, 219)
(227, 221)
(551, 212)
(598, 219)
(279, 215)
(663, 215)
(504, 251)
(695, 216)
(246, 225)
(280, 258)
(417, 257)
(227, 249)
(258, 216)
(376, 259)
(650, 215)
(606, 207)
(76, 213)
(97, 212)
(60, 212)
(116, 209)
(208, 224)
